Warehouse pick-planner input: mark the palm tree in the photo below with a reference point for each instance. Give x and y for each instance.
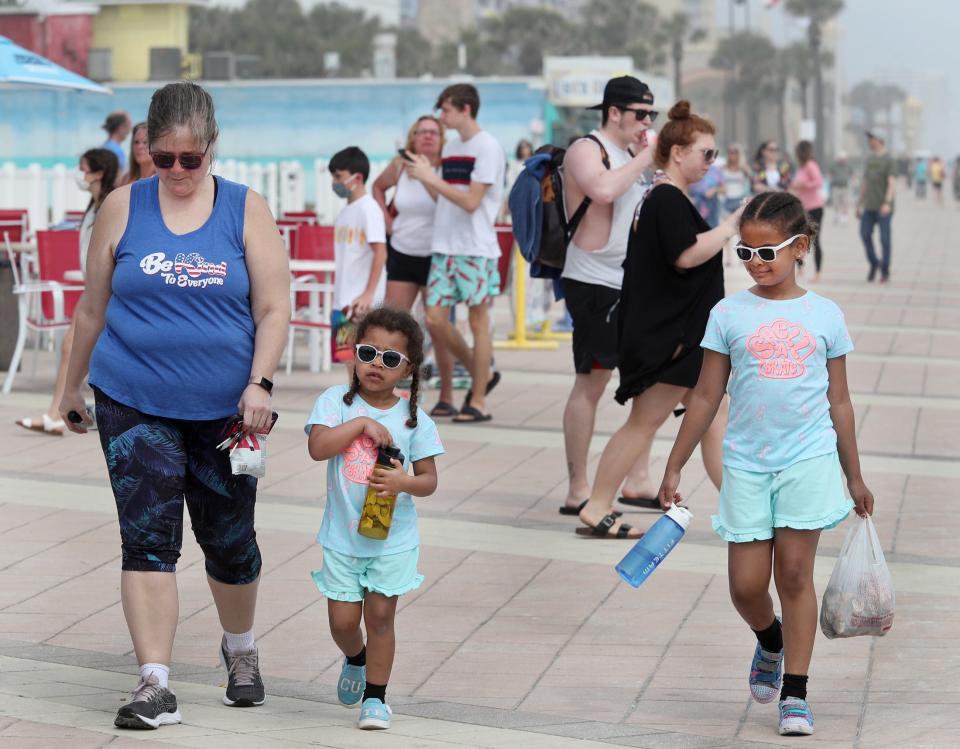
(817, 12)
(750, 60)
(674, 33)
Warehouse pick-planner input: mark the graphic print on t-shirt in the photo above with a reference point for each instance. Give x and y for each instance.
(781, 348)
(457, 170)
(185, 270)
(359, 458)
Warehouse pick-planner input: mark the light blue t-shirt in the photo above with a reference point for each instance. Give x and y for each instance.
(778, 349)
(348, 474)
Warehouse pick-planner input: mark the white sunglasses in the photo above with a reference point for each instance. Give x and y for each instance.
(767, 254)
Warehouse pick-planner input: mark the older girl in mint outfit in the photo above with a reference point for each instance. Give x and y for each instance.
(362, 578)
(781, 352)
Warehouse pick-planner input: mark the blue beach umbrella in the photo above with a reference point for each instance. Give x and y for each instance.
(21, 67)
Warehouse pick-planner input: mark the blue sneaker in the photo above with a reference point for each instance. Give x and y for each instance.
(374, 715)
(795, 717)
(766, 675)
(350, 685)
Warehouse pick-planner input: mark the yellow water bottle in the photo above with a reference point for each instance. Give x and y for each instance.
(377, 513)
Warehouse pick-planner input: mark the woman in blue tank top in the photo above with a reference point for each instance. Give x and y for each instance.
(181, 327)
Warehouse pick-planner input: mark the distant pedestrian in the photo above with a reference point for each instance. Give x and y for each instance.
(875, 204)
(466, 251)
(672, 277)
(118, 127)
(771, 171)
(524, 150)
(807, 184)
(920, 172)
(706, 195)
(840, 176)
(780, 352)
(938, 175)
(141, 165)
(364, 576)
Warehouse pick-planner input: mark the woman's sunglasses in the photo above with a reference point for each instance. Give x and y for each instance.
(767, 254)
(710, 154)
(190, 160)
(391, 359)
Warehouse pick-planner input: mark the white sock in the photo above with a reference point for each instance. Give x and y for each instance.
(156, 669)
(237, 643)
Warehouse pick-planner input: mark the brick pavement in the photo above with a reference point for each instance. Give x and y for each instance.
(522, 635)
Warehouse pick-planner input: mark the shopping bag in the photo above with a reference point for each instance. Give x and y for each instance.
(341, 336)
(859, 599)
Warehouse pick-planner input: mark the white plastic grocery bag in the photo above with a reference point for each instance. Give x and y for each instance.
(859, 599)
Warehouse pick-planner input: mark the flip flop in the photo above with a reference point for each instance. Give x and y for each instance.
(491, 384)
(475, 416)
(48, 426)
(646, 503)
(567, 510)
(601, 531)
(443, 409)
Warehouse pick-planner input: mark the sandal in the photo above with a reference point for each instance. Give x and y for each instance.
(443, 409)
(646, 503)
(473, 416)
(54, 428)
(602, 530)
(567, 510)
(491, 384)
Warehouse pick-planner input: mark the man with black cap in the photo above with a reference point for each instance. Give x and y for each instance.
(606, 166)
(875, 205)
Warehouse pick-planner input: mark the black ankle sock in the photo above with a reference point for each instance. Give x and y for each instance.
(379, 691)
(360, 659)
(794, 685)
(771, 638)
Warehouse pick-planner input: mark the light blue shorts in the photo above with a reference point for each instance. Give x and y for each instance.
(347, 578)
(808, 495)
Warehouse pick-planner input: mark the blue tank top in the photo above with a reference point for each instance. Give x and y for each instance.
(178, 338)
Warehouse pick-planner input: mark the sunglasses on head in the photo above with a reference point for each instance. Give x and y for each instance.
(641, 114)
(190, 160)
(767, 254)
(391, 359)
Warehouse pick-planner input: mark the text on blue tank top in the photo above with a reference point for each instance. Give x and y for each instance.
(178, 338)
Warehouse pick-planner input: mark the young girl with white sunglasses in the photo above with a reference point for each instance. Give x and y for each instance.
(363, 577)
(782, 352)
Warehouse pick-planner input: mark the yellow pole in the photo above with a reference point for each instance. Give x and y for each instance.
(519, 339)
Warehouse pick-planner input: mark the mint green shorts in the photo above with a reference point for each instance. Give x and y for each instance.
(347, 578)
(808, 495)
(462, 278)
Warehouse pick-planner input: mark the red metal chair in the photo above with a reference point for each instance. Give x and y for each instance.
(314, 242)
(14, 224)
(74, 216)
(57, 253)
(31, 296)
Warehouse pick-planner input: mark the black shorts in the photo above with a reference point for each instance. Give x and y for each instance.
(592, 308)
(407, 268)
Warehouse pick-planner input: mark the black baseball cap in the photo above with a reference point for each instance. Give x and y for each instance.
(624, 90)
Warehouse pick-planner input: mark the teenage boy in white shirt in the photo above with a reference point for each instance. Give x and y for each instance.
(465, 247)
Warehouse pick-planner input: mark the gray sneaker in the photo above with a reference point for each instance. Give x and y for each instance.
(152, 706)
(244, 685)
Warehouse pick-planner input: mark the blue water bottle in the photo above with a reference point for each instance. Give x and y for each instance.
(655, 544)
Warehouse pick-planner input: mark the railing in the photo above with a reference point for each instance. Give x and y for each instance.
(48, 193)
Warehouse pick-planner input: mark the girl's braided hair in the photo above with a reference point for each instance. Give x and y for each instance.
(782, 209)
(394, 320)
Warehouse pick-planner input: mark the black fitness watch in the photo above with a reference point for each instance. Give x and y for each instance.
(264, 383)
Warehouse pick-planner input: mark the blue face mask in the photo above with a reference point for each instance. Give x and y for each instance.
(341, 190)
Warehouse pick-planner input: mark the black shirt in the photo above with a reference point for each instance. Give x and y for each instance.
(664, 308)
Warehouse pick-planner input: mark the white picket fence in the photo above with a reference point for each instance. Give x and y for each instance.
(48, 193)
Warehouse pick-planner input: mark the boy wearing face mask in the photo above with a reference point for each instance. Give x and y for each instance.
(360, 237)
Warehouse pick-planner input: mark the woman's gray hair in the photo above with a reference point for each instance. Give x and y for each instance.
(182, 104)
